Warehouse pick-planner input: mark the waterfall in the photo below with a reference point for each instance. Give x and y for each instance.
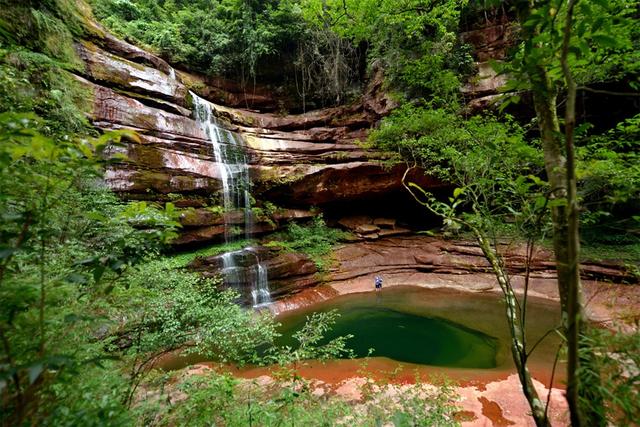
(230, 155)
(260, 292)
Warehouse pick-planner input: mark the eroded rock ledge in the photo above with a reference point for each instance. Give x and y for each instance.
(294, 160)
(421, 261)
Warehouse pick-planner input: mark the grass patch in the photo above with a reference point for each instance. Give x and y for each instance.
(314, 239)
(184, 258)
(625, 252)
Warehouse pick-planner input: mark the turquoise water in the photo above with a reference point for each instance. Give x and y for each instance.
(403, 336)
(444, 328)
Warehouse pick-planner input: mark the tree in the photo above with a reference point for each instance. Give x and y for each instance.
(487, 198)
(414, 41)
(79, 291)
(560, 38)
(41, 195)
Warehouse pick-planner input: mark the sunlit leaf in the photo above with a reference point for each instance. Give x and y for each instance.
(605, 40)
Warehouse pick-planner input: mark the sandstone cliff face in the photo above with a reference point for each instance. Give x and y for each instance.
(294, 160)
(408, 260)
(490, 38)
(288, 273)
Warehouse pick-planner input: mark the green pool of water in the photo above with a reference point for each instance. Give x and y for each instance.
(403, 336)
(428, 327)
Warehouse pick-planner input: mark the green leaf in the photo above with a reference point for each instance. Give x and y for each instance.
(97, 361)
(402, 419)
(72, 318)
(540, 202)
(557, 202)
(34, 371)
(457, 192)
(576, 51)
(536, 179)
(87, 261)
(117, 265)
(96, 216)
(98, 272)
(597, 24)
(605, 40)
(78, 278)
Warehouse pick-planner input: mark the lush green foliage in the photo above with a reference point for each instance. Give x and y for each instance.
(47, 27)
(550, 58)
(316, 46)
(314, 239)
(603, 46)
(76, 271)
(309, 338)
(609, 174)
(221, 37)
(179, 260)
(88, 304)
(415, 41)
(35, 53)
(223, 400)
(609, 369)
(466, 152)
(31, 81)
(57, 249)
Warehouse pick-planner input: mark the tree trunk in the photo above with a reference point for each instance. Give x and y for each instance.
(545, 104)
(574, 292)
(562, 180)
(518, 350)
(544, 98)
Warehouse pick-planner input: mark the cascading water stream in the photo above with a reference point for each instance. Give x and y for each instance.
(230, 155)
(260, 292)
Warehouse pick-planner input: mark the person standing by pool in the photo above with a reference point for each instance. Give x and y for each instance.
(378, 283)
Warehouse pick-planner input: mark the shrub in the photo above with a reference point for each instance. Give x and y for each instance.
(314, 239)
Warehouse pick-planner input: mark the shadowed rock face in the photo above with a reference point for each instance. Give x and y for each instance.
(294, 160)
(491, 37)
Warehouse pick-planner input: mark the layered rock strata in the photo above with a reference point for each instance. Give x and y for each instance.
(294, 160)
(491, 39)
(409, 261)
(287, 273)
